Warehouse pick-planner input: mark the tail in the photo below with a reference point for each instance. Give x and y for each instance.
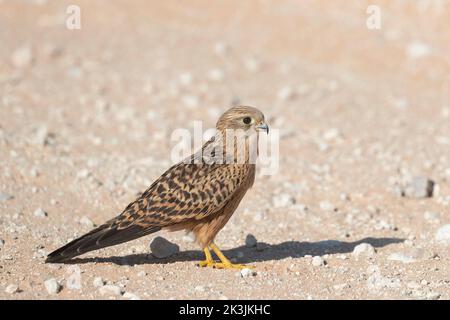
(104, 236)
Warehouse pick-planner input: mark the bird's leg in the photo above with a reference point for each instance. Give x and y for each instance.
(225, 263)
(208, 262)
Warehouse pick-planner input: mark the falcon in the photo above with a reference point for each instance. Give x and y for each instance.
(198, 194)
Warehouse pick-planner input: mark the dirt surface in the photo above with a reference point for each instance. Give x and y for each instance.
(86, 118)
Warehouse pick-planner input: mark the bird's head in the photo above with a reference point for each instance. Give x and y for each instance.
(248, 119)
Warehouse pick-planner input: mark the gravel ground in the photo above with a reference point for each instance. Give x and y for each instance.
(360, 207)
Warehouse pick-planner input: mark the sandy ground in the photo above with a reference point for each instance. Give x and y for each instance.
(86, 118)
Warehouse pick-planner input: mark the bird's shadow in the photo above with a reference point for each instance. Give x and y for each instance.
(263, 252)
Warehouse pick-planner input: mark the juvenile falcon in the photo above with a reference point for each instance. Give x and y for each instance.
(199, 194)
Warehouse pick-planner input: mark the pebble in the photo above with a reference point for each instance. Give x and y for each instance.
(5, 197)
(419, 187)
(326, 206)
(401, 257)
(190, 101)
(431, 216)
(216, 75)
(286, 93)
(283, 200)
(40, 136)
(247, 272)
(162, 248)
(86, 221)
(12, 288)
(110, 290)
(250, 241)
(2, 243)
(417, 49)
(40, 213)
(365, 249)
(199, 288)
(131, 296)
(22, 57)
(52, 286)
(98, 282)
(443, 234)
(317, 261)
(83, 174)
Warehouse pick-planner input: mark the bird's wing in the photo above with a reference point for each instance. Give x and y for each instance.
(184, 192)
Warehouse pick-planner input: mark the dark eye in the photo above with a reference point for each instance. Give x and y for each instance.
(247, 120)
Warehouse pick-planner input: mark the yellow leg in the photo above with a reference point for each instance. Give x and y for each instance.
(225, 263)
(208, 262)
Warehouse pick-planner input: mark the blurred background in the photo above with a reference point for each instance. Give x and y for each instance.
(86, 114)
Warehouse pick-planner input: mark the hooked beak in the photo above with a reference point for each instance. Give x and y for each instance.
(263, 126)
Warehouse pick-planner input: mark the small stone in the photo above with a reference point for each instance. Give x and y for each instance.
(286, 93)
(5, 197)
(419, 187)
(199, 288)
(433, 296)
(98, 282)
(401, 257)
(40, 136)
(162, 248)
(34, 172)
(86, 221)
(12, 288)
(364, 249)
(83, 174)
(326, 206)
(131, 296)
(40, 213)
(443, 234)
(250, 241)
(431, 216)
(2, 243)
(317, 261)
(417, 49)
(110, 290)
(247, 272)
(22, 57)
(52, 286)
(190, 101)
(216, 75)
(185, 79)
(283, 200)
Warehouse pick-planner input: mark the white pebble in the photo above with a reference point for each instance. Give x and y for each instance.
(131, 296)
(4, 197)
(52, 286)
(443, 234)
(247, 272)
(110, 290)
(326, 206)
(216, 75)
(22, 57)
(98, 282)
(12, 288)
(317, 261)
(86, 221)
(365, 249)
(283, 200)
(40, 213)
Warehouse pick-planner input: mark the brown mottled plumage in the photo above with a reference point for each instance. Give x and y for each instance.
(198, 194)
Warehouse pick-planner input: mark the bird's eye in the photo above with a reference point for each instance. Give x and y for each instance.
(247, 120)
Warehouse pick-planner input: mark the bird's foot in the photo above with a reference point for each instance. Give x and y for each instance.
(221, 265)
